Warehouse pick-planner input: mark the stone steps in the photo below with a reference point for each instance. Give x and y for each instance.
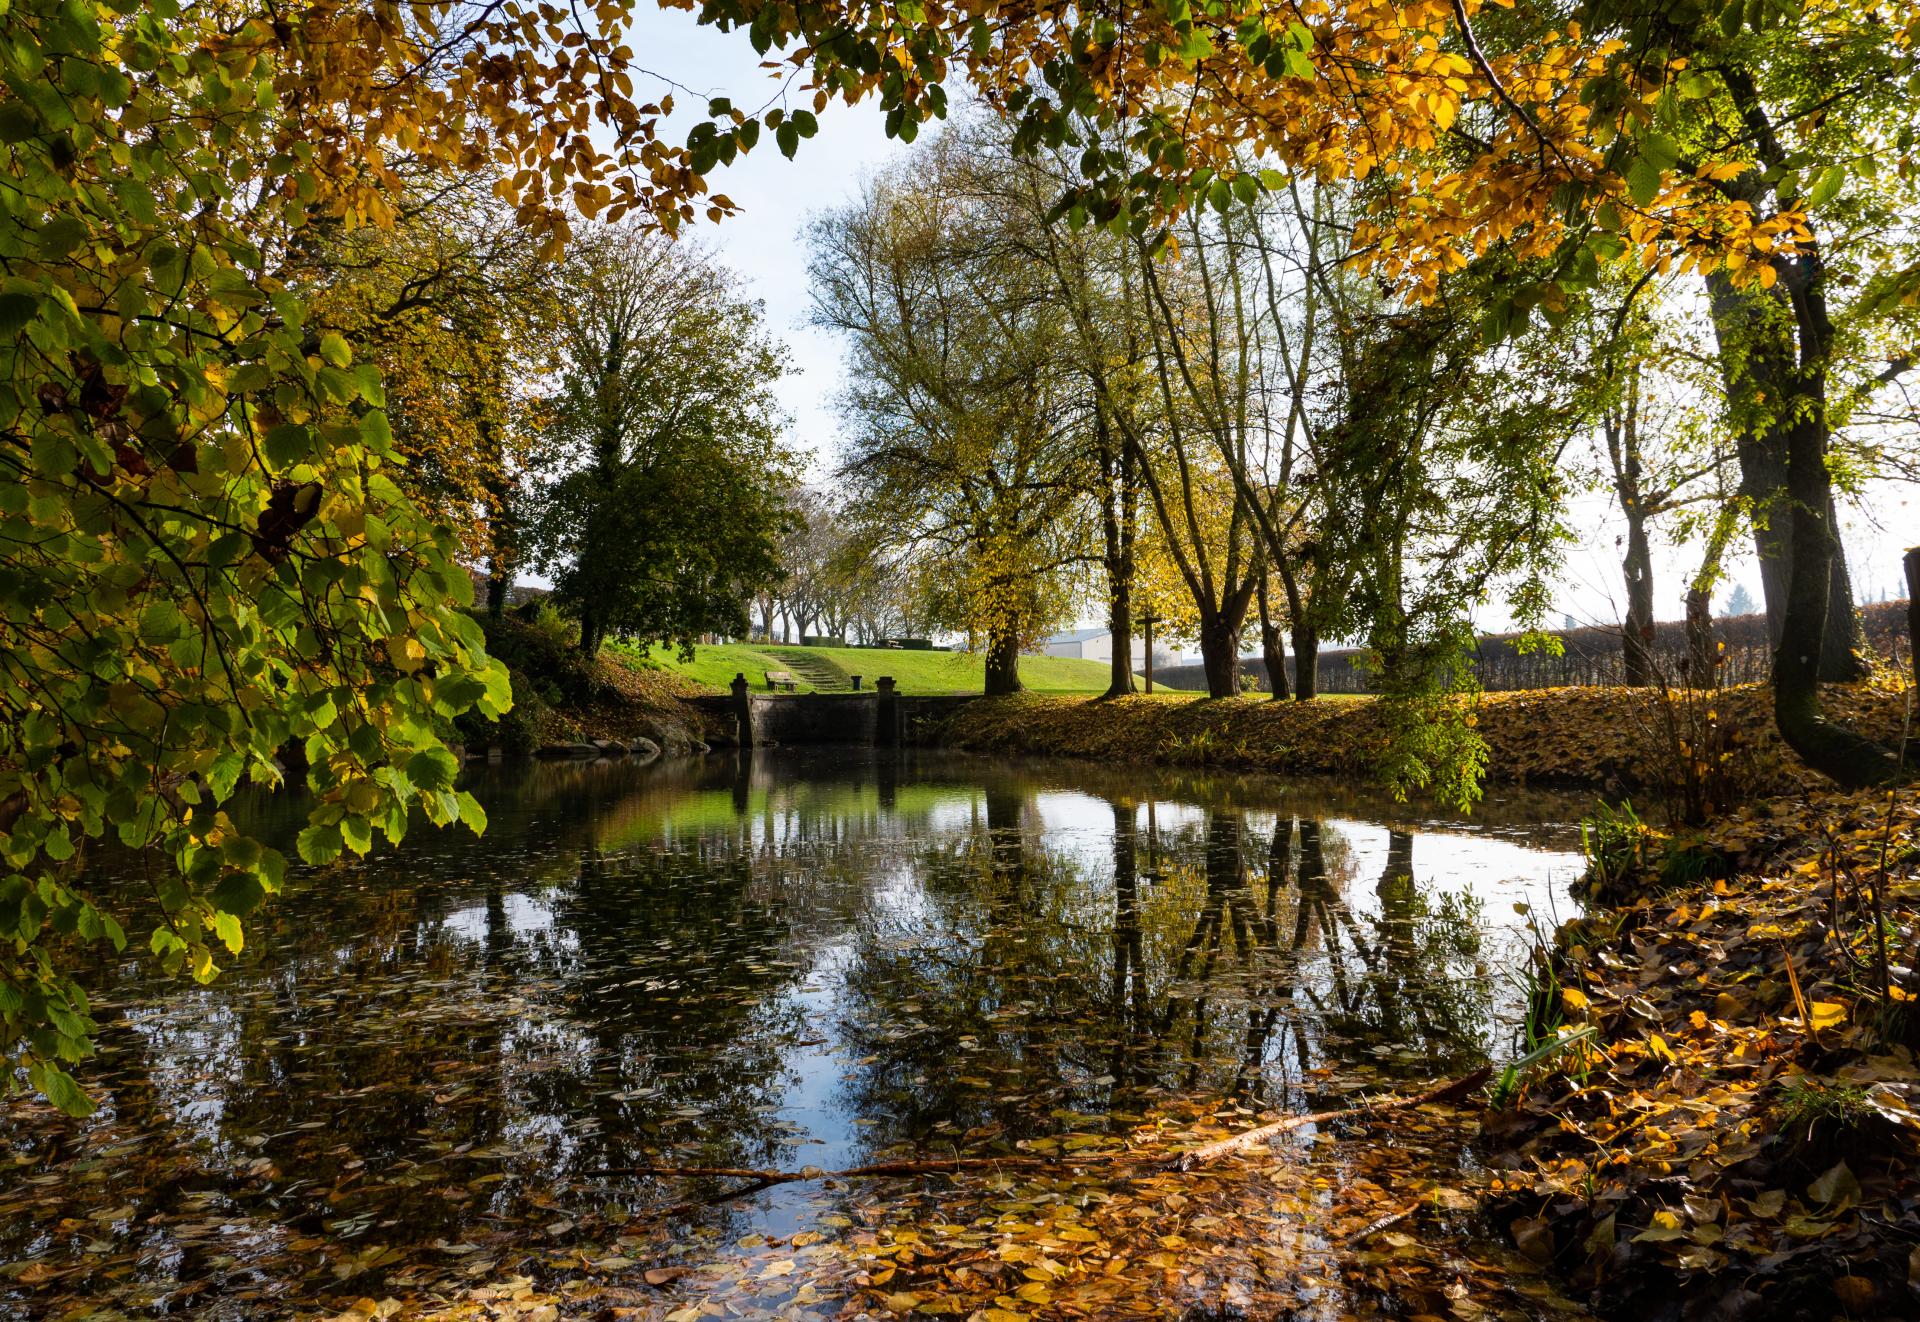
(817, 671)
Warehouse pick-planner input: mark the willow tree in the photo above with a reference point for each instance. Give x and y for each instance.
(967, 427)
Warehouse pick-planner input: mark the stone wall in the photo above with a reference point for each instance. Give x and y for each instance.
(815, 718)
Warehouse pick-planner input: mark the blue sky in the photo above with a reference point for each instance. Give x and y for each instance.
(764, 246)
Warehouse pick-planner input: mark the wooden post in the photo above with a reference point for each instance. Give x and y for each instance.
(742, 710)
(1147, 621)
(1913, 611)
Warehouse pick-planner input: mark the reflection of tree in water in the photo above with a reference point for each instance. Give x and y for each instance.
(1233, 965)
(464, 1030)
(533, 1005)
(1402, 981)
(967, 1002)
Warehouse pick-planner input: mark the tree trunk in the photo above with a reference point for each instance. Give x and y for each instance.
(1118, 519)
(1003, 663)
(1306, 661)
(1637, 632)
(1833, 750)
(502, 527)
(1843, 644)
(1913, 612)
(1702, 656)
(1760, 370)
(1120, 625)
(593, 632)
(1775, 347)
(1272, 650)
(1220, 655)
(499, 579)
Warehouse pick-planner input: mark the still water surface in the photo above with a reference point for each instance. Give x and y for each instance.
(423, 1067)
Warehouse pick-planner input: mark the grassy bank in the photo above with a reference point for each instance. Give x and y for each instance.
(1603, 738)
(831, 668)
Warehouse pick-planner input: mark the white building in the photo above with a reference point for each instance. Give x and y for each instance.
(1097, 645)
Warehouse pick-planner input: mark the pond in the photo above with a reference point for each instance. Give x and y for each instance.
(430, 1075)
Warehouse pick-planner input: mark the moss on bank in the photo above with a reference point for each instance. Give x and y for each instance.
(1604, 738)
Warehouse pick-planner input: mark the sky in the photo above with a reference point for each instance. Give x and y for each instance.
(765, 246)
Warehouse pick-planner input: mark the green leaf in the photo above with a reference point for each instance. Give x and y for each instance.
(320, 843)
(226, 926)
(59, 1088)
(334, 351)
(432, 769)
(1643, 181)
(238, 893)
(16, 310)
(288, 444)
(1827, 186)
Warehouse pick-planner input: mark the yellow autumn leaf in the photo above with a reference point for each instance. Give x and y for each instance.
(406, 653)
(1573, 998)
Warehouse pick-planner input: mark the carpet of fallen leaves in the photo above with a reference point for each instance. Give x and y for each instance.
(1742, 1142)
(1346, 1224)
(1607, 738)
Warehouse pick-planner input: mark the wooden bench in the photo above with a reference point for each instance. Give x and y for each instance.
(782, 679)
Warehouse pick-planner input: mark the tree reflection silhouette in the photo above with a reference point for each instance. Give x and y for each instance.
(750, 960)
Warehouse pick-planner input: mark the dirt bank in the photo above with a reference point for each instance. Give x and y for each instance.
(1738, 1135)
(1603, 738)
(561, 698)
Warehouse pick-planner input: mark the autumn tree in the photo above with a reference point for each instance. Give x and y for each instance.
(660, 514)
(967, 426)
(1664, 455)
(457, 310)
(1799, 118)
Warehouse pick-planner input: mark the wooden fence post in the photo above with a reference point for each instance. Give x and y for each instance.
(886, 722)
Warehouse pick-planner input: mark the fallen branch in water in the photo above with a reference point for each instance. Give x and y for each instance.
(1211, 1152)
(1186, 1161)
(912, 1166)
(1386, 1222)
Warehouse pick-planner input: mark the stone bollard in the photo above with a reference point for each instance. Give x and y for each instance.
(886, 721)
(743, 710)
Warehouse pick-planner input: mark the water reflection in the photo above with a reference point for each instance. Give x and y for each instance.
(423, 1065)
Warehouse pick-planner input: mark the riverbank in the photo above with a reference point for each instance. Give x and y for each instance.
(1738, 1134)
(563, 701)
(1733, 1128)
(1609, 739)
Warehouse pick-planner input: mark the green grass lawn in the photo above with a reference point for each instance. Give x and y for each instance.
(914, 672)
